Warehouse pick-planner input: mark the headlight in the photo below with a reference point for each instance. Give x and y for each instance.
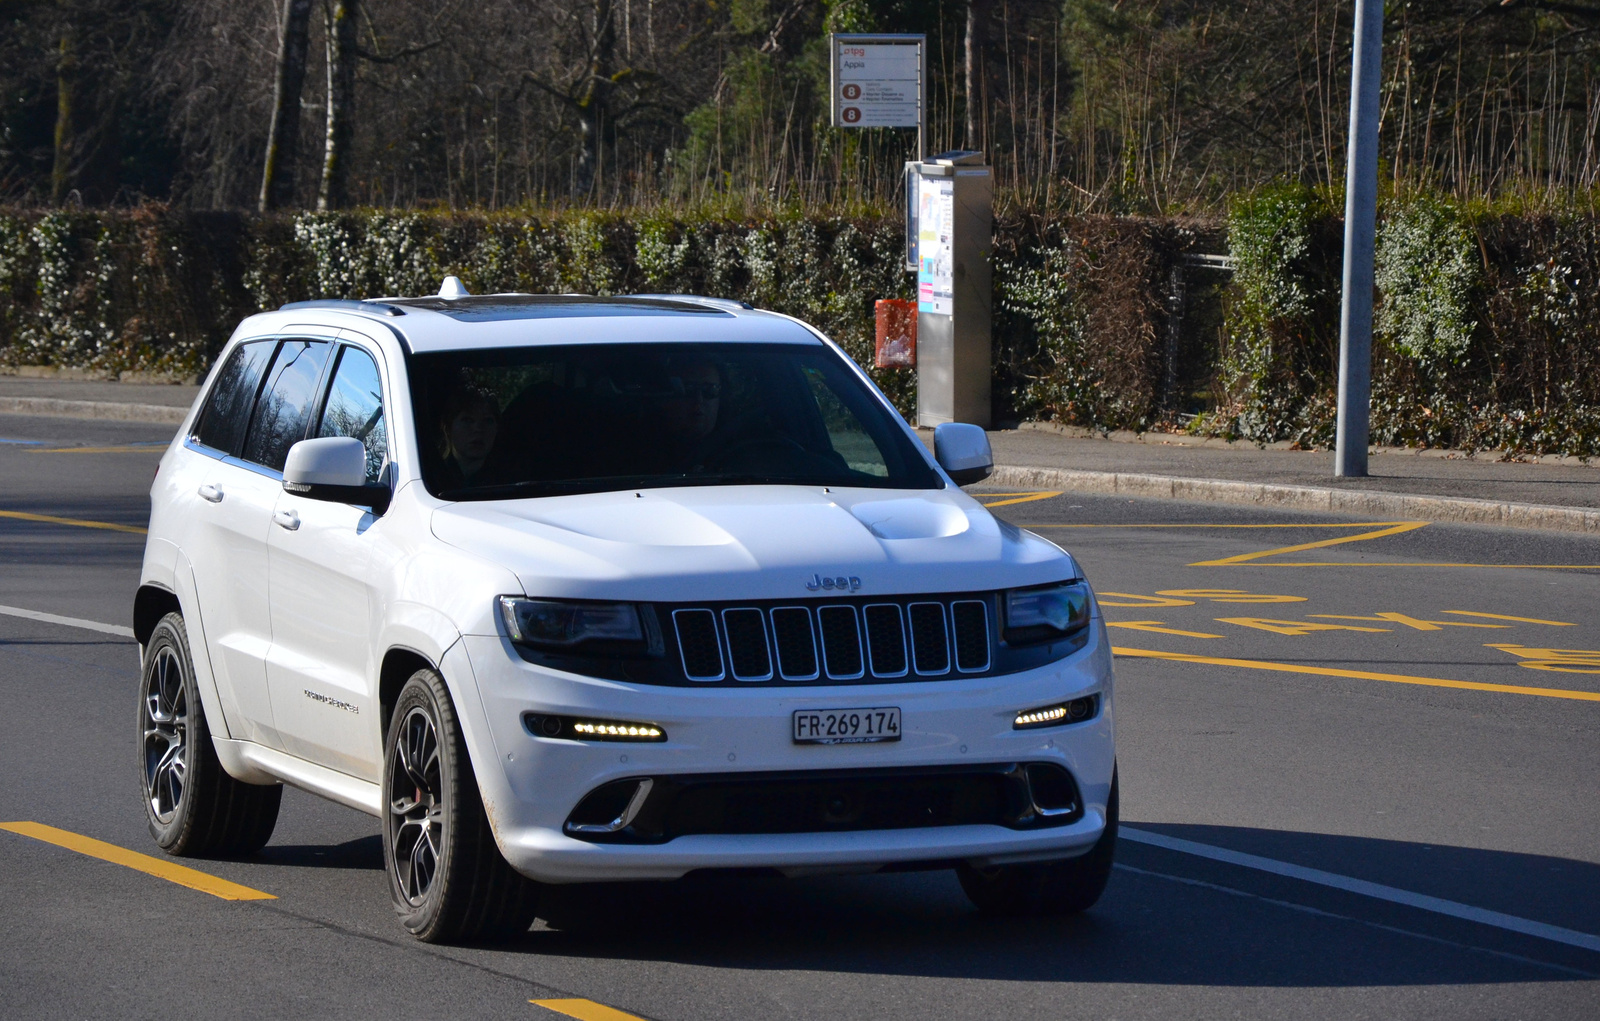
(1045, 614)
(561, 625)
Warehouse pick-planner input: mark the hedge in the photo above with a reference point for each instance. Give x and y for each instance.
(1488, 324)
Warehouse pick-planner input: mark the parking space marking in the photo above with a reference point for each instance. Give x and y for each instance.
(51, 519)
(1019, 498)
(1377, 891)
(1360, 675)
(161, 869)
(584, 1010)
(55, 618)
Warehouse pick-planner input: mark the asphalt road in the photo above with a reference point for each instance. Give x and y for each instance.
(1316, 827)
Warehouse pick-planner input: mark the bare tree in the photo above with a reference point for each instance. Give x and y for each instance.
(342, 55)
(283, 137)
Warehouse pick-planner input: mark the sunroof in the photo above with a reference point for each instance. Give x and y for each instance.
(486, 308)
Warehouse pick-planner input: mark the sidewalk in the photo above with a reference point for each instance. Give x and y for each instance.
(84, 398)
(1401, 485)
(1424, 487)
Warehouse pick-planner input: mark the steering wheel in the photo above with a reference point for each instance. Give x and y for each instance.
(774, 443)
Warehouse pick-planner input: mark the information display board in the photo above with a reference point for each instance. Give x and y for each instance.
(877, 80)
(935, 253)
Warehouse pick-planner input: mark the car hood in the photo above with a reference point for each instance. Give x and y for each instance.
(751, 542)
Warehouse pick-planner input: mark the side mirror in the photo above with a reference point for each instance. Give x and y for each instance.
(962, 450)
(333, 468)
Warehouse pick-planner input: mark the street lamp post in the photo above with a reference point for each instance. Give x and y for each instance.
(1360, 228)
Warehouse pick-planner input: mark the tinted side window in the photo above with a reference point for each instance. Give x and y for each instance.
(355, 407)
(227, 412)
(285, 405)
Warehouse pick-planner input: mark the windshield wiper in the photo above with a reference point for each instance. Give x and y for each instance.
(614, 483)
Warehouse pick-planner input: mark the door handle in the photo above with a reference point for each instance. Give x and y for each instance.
(210, 493)
(286, 519)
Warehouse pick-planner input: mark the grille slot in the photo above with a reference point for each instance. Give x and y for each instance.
(748, 655)
(795, 642)
(698, 644)
(886, 640)
(841, 642)
(930, 642)
(970, 618)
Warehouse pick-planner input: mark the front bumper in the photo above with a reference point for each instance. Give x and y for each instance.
(531, 784)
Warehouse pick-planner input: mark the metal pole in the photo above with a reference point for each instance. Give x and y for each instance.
(1360, 228)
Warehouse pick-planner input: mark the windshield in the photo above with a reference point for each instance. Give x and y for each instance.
(536, 421)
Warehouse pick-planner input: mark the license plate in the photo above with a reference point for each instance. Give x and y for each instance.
(847, 726)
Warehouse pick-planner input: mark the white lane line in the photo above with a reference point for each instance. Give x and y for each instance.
(1394, 895)
(1319, 913)
(53, 618)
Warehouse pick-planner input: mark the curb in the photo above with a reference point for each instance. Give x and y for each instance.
(1359, 502)
(50, 406)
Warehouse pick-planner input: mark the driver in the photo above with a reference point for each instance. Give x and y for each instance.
(689, 410)
(468, 425)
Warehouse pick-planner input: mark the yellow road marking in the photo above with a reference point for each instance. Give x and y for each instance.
(51, 519)
(125, 449)
(1146, 602)
(1294, 627)
(1408, 620)
(1565, 661)
(1417, 563)
(1228, 595)
(1364, 675)
(584, 1010)
(1297, 524)
(1395, 528)
(1027, 498)
(158, 867)
(1501, 616)
(1159, 628)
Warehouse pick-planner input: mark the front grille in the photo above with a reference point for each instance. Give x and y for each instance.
(698, 644)
(859, 640)
(1014, 795)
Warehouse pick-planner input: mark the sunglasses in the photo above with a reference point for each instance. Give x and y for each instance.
(704, 391)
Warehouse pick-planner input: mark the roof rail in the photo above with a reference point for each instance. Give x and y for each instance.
(702, 299)
(377, 308)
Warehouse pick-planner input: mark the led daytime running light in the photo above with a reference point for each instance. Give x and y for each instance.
(1062, 713)
(1058, 712)
(618, 730)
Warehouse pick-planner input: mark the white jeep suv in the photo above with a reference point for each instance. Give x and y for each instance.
(569, 589)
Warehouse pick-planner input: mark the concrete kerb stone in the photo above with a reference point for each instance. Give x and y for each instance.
(1363, 503)
(54, 407)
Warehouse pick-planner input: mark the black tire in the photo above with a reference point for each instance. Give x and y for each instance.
(449, 882)
(195, 809)
(1046, 888)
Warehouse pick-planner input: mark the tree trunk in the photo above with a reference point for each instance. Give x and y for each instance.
(342, 57)
(283, 137)
(595, 126)
(66, 113)
(977, 31)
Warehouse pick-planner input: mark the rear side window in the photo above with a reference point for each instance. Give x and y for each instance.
(355, 407)
(226, 414)
(283, 411)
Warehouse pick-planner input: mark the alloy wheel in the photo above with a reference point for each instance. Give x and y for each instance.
(416, 805)
(166, 728)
